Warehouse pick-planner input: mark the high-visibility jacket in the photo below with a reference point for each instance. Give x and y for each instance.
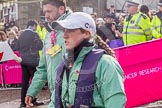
(137, 29)
(156, 26)
(41, 32)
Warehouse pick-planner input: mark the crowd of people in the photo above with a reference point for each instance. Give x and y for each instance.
(76, 58)
(139, 24)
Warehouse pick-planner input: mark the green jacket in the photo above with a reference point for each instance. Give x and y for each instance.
(156, 27)
(109, 90)
(47, 65)
(137, 29)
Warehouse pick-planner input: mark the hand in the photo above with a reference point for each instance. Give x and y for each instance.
(107, 40)
(113, 28)
(28, 101)
(118, 34)
(18, 59)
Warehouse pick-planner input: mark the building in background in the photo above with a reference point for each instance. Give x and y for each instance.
(20, 11)
(23, 10)
(88, 6)
(119, 4)
(26, 10)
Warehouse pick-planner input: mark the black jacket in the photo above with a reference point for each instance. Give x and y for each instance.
(13, 44)
(29, 45)
(105, 32)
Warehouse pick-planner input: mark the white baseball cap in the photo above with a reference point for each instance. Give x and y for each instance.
(79, 20)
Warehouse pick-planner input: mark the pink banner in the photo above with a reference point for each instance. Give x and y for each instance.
(142, 65)
(12, 72)
(0, 73)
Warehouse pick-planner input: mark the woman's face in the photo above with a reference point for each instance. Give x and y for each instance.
(11, 36)
(121, 19)
(160, 8)
(73, 37)
(3, 38)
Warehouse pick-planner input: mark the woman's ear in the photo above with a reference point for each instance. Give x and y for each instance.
(87, 35)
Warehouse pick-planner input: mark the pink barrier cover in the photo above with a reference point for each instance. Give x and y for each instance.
(142, 65)
(0, 73)
(12, 71)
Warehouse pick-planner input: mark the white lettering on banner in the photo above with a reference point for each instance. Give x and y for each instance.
(131, 75)
(149, 71)
(143, 72)
(7, 68)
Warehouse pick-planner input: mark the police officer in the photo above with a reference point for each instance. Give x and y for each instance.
(156, 22)
(137, 26)
(87, 77)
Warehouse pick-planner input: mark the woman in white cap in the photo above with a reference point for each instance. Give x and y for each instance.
(87, 76)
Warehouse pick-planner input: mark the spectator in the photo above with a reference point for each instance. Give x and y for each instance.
(19, 33)
(94, 16)
(100, 22)
(16, 29)
(3, 36)
(109, 31)
(121, 22)
(29, 45)
(12, 40)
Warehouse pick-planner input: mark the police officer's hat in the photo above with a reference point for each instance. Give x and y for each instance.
(131, 3)
(160, 3)
(110, 15)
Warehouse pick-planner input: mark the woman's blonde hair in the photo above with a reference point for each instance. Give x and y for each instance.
(11, 32)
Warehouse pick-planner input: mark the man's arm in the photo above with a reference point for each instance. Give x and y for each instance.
(40, 77)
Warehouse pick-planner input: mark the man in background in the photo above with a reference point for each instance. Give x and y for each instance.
(51, 52)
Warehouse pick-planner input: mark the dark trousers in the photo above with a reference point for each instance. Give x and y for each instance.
(27, 73)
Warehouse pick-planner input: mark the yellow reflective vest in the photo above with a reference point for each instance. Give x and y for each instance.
(156, 26)
(137, 29)
(41, 32)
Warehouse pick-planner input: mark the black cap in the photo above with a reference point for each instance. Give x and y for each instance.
(131, 3)
(160, 3)
(110, 15)
(144, 9)
(112, 6)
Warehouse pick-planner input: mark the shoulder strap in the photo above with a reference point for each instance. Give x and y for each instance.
(58, 85)
(86, 81)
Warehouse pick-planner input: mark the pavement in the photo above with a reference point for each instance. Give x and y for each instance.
(10, 98)
(16, 104)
